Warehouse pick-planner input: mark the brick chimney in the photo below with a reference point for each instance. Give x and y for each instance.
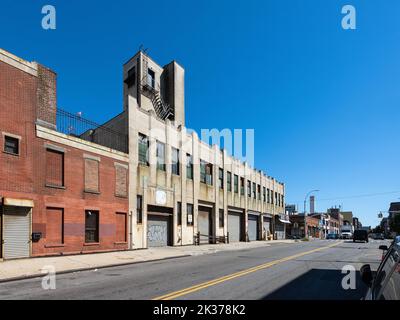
(46, 109)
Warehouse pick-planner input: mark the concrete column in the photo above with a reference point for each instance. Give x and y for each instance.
(144, 212)
(134, 238)
(182, 161)
(152, 150)
(225, 191)
(196, 179)
(216, 167)
(248, 178)
(168, 153)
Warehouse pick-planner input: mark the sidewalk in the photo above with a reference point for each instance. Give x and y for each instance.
(32, 267)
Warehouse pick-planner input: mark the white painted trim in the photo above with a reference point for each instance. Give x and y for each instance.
(54, 148)
(18, 202)
(11, 135)
(117, 164)
(91, 157)
(51, 135)
(21, 64)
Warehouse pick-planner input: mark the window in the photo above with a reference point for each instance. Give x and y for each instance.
(121, 180)
(131, 78)
(254, 190)
(206, 172)
(121, 227)
(189, 211)
(139, 209)
(92, 175)
(91, 226)
(143, 149)
(258, 192)
(160, 156)
(236, 183)
(179, 213)
(175, 162)
(221, 178)
(249, 189)
(221, 218)
(276, 198)
(54, 226)
(264, 194)
(242, 186)
(54, 168)
(268, 196)
(229, 181)
(151, 78)
(189, 166)
(11, 145)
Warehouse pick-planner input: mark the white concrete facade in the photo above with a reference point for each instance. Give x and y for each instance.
(148, 181)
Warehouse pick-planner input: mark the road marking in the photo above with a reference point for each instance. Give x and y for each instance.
(186, 291)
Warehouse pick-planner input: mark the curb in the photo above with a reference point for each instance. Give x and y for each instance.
(38, 275)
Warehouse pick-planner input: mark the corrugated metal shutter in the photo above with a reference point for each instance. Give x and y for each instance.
(267, 226)
(252, 227)
(234, 226)
(203, 224)
(16, 236)
(158, 231)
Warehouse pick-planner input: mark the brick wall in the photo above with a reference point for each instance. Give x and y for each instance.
(24, 99)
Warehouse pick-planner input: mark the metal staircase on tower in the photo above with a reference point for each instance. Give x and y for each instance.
(151, 89)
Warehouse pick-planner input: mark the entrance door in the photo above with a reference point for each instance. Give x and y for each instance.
(158, 231)
(204, 225)
(234, 226)
(253, 227)
(16, 232)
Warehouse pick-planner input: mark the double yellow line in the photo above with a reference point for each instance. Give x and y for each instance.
(183, 292)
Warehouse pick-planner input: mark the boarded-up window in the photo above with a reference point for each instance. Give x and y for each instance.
(54, 226)
(91, 175)
(121, 227)
(91, 226)
(54, 168)
(121, 181)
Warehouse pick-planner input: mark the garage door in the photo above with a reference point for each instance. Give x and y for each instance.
(158, 231)
(253, 227)
(204, 224)
(16, 232)
(267, 226)
(234, 226)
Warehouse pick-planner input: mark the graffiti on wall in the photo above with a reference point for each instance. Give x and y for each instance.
(157, 234)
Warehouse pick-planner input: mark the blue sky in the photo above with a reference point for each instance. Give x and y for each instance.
(324, 102)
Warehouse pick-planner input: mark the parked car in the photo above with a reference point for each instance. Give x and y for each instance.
(384, 284)
(346, 235)
(378, 236)
(360, 235)
(332, 236)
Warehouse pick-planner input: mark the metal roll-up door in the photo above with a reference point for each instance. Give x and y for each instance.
(267, 226)
(234, 226)
(16, 232)
(280, 230)
(252, 227)
(204, 224)
(158, 231)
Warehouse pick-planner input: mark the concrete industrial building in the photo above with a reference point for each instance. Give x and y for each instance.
(137, 181)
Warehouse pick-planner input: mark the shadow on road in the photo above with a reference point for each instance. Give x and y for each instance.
(319, 284)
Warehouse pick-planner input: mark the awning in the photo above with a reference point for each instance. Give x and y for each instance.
(284, 221)
(267, 215)
(18, 202)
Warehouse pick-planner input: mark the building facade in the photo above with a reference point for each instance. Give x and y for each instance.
(68, 185)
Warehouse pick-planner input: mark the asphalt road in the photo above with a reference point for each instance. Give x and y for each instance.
(303, 270)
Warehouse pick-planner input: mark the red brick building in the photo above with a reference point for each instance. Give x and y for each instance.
(60, 191)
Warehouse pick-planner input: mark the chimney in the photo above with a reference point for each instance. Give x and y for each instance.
(46, 97)
(312, 204)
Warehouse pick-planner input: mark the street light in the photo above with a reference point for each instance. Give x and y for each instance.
(305, 217)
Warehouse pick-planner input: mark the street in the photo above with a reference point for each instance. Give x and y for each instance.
(303, 270)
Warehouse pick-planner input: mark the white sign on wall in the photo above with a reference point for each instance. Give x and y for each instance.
(161, 197)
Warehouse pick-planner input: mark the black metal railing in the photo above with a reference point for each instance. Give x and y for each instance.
(76, 126)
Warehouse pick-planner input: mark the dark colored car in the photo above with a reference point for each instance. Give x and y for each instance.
(332, 236)
(385, 283)
(360, 235)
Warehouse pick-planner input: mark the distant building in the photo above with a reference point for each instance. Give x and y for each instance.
(291, 209)
(296, 228)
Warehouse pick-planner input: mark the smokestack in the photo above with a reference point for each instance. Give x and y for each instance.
(312, 204)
